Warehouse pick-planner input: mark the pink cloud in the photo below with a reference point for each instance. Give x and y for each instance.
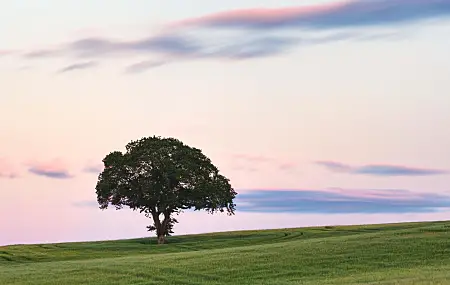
(6, 52)
(329, 15)
(7, 170)
(262, 15)
(253, 158)
(287, 166)
(252, 163)
(180, 41)
(56, 169)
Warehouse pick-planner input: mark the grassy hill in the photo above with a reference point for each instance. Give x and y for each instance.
(410, 253)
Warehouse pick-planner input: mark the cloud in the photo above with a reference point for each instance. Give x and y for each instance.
(343, 14)
(144, 66)
(185, 46)
(287, 166)
(390, 170)
(335, 166)
(255, 33)
(86, 204)
(42, 54)
(55, 169)
(100, 47)
(379, 169)
(77, 66)
(340, 201)
(253, 158)
(7, 170)
(331, 201)
(6, 52)
(252, 163)
(94, 168)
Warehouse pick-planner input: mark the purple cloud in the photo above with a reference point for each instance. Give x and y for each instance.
(340, 201)
(345, 14)
(77, 66)
(391, 170)
(43, 54)
(257, 33)
(144, 66)
(335, 166)
(94, 168)
(50, 173)
(97, 47)
(380, 169)
(55, 169)
(332, 201)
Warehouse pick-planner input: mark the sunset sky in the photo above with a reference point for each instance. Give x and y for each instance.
(319, 112)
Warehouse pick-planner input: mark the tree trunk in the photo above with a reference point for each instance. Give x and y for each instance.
(161, 227)
(161, 239)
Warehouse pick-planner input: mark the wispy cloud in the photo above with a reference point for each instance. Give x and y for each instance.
(331, 201)
(253, 158)
(249, 162)
(392, 170)
(6, 52)
(256, 33)
(144, 66)
(7, 170)
(335, 15)
(335, 166)
(287, 166)
(77, 66)
(86, 204)
(94, 168)
(379, 169)
(43, 53)
(340, 201)
(55, 169)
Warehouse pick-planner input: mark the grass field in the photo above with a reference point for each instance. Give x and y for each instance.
(410, 253)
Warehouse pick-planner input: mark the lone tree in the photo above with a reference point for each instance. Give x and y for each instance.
(162, 177)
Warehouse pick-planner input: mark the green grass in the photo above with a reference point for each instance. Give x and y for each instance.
(410, 253)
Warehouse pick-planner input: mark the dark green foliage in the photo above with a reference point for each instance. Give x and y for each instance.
(162, 177)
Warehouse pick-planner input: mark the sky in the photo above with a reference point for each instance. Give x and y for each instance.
(319, 112)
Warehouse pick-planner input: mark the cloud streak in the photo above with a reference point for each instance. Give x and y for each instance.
(78, 66)
(252, 163)
(93, 168)
(7, 171)
(86, 204)
(144, 66)
(53, 169)
(346, 14)
(331, 201)
(254, 33)
(379, 169)
(340, 201)
(6, 52)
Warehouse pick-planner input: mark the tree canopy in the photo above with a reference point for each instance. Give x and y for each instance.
(161, 177)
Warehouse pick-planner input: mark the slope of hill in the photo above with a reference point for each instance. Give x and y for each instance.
(410, 253)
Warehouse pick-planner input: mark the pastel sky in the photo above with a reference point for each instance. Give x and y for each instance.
(319, 112)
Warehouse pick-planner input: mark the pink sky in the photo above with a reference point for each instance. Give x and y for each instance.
(373, 99)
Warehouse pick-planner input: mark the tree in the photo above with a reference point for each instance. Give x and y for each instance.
(161, 177)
